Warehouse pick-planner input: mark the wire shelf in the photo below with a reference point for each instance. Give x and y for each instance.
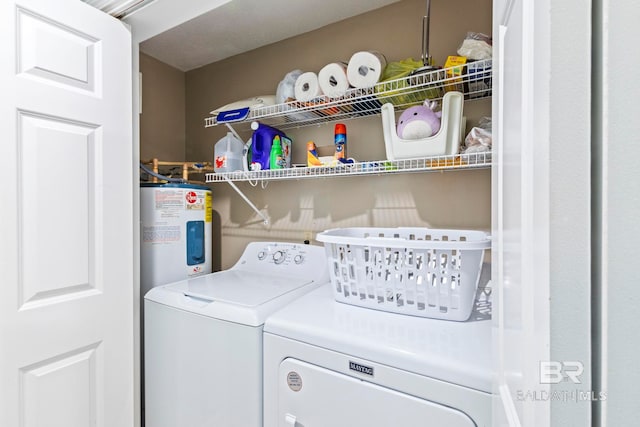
(435, 163)
(473, 80)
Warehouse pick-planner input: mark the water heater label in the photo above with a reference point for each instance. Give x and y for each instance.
(195, 200)
(160, 234)
(191, 197)
(208, 210)
(169, 203)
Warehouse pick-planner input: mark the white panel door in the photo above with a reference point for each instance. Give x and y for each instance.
(520, 314)
(66, 300)
(542, 213)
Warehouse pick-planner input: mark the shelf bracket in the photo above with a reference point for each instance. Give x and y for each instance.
(233, 131)
(265, 219)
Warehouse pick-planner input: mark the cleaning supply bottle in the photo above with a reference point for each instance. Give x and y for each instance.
(340, 141)
(261, 141)
(276, 159)
(312, 155)
(228, 154)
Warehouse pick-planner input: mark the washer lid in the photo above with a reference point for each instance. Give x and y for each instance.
(244, 288)
(238, 296)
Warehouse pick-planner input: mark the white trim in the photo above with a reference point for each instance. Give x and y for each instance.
(157, 17)
(508, 406)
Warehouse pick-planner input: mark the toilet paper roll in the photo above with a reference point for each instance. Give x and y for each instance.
(365, 68)
(333, 79)
(307, 87)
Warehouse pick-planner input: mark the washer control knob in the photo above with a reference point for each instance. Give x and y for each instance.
(278, 257)
(298, 259)
(262, 255)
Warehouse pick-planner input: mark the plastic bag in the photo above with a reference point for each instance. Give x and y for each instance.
(476, 46)
(479, 139)
(397, 70)
(286, 88)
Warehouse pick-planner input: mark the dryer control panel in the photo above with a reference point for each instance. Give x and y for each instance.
(289, 259)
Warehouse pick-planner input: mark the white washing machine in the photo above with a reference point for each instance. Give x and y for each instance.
(331, 364)
(203, 336)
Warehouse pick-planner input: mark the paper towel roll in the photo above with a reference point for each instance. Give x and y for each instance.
(333, 79)
(307, 87)
(365, 68)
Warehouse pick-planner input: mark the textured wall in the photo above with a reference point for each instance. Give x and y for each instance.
(298, 208)
(162, 122)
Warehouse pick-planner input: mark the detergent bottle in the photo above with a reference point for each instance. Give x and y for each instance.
(228, 154)
(276, 160)
(261, 142)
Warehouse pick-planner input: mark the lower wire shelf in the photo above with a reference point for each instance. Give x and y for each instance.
(435, 163)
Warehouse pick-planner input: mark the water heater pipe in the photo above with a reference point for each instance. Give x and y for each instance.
(426, 58)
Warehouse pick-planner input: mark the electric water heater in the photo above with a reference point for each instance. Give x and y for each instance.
(175, 241)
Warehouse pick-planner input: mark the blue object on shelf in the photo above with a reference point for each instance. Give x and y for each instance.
(232, 115)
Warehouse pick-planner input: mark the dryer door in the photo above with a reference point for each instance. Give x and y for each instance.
(312, 396)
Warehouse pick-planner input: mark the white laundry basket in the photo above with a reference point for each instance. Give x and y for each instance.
(416, 271)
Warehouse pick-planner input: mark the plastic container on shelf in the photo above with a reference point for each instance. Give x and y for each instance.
(228, 154)
(277, 160)
(261, 141)
(416, 271)
(445, 142)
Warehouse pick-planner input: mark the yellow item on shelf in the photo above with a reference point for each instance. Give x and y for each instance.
(445, 163)
(455, 68)
(321, 156)
(312, 155)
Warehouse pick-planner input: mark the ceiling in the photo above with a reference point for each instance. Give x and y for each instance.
(239, 26)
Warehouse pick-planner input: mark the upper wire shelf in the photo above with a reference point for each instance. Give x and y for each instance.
(473, 80)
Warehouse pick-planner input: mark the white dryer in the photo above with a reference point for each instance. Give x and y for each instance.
(203, 336)
(331, 364)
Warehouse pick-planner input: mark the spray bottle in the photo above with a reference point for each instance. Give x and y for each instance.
(340, 141)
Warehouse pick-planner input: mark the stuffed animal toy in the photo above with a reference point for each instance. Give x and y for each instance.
(419, 122)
